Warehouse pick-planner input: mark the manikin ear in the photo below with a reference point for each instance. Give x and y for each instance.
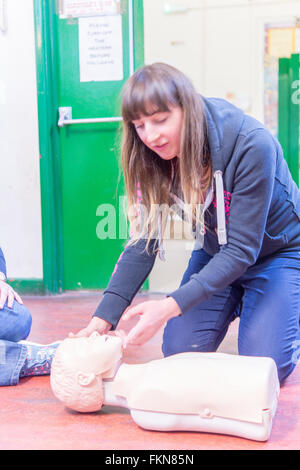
(84, 379)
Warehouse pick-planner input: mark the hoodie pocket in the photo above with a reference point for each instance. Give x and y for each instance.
(271, 243)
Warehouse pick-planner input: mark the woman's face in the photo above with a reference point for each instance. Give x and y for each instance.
(161, 132)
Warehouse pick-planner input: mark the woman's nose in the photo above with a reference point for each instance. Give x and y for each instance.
(152, 135)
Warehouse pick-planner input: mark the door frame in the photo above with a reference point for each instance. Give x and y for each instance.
(47, 98)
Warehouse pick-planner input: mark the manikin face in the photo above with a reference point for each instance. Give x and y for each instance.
(161, 132)
(94, 354)
(79, 366)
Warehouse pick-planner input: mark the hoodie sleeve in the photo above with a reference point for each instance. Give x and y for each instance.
(131, 271)
(250, 202)
(2, 263)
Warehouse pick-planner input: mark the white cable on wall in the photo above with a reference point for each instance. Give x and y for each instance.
(3, 16)
(131, 38)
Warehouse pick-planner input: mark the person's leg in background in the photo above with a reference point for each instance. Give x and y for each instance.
(202, 328)
(269, 320)
(19, 358)
(15, 325)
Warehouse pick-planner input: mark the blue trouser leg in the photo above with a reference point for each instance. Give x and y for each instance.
(204, 326)
(267, 299)
(269, 320)
(15, 324)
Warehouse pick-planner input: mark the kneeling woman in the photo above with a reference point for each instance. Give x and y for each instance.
(179, 147)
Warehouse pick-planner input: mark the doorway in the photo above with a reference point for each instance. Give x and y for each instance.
(85, 52)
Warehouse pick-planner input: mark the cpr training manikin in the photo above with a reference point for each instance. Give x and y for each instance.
(193, 391)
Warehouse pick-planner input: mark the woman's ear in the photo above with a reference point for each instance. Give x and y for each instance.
(84, 379)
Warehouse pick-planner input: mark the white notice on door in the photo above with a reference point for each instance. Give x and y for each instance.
(101, 48)
(79, 8)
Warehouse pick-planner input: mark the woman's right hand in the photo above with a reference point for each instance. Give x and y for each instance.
(96, 324)
(7, 293)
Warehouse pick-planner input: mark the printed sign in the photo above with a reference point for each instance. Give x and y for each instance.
(82, 8)
(101, 48)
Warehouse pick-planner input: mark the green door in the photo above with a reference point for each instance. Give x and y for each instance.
(93, 56)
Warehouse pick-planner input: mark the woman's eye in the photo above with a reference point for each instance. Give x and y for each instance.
(160, 121)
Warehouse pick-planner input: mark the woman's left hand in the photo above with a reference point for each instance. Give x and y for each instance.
(153, 314)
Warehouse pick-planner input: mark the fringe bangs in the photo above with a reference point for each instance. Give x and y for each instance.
(145, 95)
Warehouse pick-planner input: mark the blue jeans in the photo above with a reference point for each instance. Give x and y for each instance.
(267, 300)
(15, 324)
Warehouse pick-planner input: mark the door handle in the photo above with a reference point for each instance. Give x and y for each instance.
(65, 118)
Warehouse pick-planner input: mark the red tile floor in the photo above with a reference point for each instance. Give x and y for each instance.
(31, 418)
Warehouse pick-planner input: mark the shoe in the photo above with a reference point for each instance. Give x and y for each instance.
(38, 358)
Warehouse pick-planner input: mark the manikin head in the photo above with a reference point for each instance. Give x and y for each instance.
(79, 366)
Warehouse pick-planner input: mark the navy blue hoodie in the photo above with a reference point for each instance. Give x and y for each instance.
(254, 212)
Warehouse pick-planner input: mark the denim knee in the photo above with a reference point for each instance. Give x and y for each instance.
(25, 319)
(172, 343)
(284, 371)
(178, 339)
(15, 322)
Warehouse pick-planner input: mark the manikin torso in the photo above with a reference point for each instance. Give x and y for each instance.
(167, 394)
(211, 392)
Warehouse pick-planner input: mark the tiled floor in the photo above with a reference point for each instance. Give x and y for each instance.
(32, 418)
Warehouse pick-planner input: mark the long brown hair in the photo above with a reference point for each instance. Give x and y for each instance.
(156, 88)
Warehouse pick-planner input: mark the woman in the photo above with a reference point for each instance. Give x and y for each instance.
(181, 147)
